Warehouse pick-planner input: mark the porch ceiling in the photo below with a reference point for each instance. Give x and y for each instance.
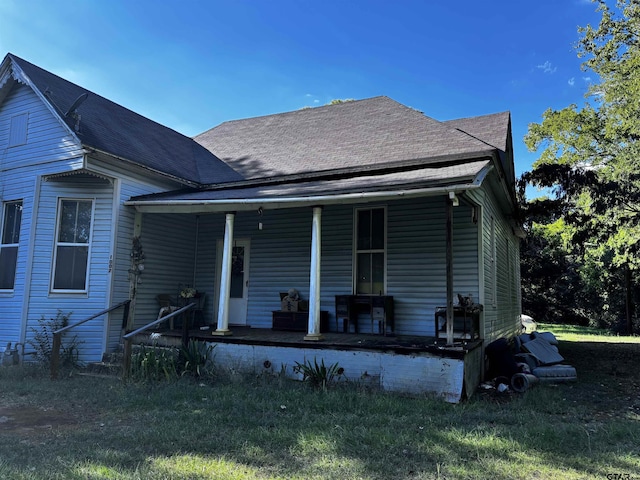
(422, 182)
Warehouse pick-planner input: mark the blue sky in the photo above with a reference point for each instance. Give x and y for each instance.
(193, 64)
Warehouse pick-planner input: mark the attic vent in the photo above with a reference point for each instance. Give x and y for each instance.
(18, 130)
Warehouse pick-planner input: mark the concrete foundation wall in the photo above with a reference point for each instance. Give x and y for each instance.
(421, 373)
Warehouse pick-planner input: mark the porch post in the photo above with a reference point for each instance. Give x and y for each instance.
(314, 280)
(134, 276)
(225, 278)
(449, 271)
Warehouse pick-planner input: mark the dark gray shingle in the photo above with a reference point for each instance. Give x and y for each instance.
(374, 132)
(111, 128)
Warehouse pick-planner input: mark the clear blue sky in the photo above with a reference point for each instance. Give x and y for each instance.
(192, 64)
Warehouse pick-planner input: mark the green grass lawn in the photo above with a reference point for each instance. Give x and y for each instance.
(231, 427)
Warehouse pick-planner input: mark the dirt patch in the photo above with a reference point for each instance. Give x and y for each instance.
(608, 376)
(28, 420)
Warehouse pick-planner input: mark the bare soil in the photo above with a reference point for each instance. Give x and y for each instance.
(27, 420)
(608, 376)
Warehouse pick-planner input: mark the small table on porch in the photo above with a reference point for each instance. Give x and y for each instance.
(379, 308)
(297, 321)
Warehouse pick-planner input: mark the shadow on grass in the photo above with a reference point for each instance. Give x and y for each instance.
(268, 427)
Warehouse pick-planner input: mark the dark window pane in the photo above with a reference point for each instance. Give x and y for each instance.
(68, 214)
(363, 283)
(237, 273)
(364, 230)
(71, 268)
(377, 229)
(377, 273)
(8, 257)
(75, 221)
(12, 220)
(83, 227)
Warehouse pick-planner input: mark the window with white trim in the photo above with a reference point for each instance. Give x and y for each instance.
(11, 221)
(73, 240)
(370, 251)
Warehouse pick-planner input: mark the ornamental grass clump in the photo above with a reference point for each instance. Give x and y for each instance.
(195, 359)
(318, 374)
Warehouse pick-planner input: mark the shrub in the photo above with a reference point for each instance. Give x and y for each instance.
(318, 375)
(154, 363)
(195, 359)
(42, 341)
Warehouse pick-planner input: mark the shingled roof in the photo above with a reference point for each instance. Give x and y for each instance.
(491, 129)
(375, 136)
(372, 133)
(113, 129)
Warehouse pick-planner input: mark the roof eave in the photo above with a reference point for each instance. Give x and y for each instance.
(353, 171)
(91, 150)
(279, 202)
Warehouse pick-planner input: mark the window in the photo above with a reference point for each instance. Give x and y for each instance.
(72, 245)
(11, 220)
(18, 130)
(370, 251)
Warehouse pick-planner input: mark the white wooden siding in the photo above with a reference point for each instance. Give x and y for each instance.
(128, 186)
(43, 303)
(503, 318)
(168, 241)
(47, 140)
(49, 149)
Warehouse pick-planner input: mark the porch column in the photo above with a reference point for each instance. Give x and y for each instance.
(449, 272)
(314, 280)
(225, 277)
(134, 275)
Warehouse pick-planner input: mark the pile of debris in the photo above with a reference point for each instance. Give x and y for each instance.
(531, 358)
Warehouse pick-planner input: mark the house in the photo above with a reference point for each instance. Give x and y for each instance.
(378, 215)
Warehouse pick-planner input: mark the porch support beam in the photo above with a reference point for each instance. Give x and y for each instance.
(225, 277)
(314, 280)
(134, 276)
(449, 201)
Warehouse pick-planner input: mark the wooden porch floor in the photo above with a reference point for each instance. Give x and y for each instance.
(399, 344)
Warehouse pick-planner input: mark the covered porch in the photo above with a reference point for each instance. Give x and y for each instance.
(242, 247)
(247, 245)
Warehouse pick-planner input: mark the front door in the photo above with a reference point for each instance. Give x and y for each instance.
(239, 288)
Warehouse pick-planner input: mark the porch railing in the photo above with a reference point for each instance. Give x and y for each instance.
(128, 338)
(57, 335)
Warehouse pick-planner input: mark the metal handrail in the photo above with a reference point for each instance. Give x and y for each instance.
(57, 335)
(126, 361)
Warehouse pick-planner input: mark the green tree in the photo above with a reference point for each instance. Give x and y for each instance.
(590, 159)
(338, 101)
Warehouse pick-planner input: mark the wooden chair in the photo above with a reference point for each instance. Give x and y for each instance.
(167, 306)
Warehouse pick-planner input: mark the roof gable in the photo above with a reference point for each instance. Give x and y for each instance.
(105, 126)
(375, 132)
(495, 129)
(492, 129)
